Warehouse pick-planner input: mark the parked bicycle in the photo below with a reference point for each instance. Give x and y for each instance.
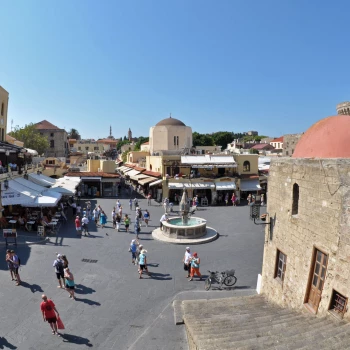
(227, 278)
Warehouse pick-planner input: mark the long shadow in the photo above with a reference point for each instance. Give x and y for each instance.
(88, 301)
(74, 339)
(153, 264)
(217, 287)
(160, 276)
(80, 289)
(4, 344)
(145, 239)
(33, 287)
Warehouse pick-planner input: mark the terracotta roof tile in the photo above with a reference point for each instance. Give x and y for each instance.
(262, 146)
(92, 174)
(145, 143)
(45, 125)
(152, 173)
(279, 139)
(139, 168)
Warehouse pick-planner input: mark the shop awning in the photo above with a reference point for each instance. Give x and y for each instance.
(225, 185)
(191, 185)
(123, 168)
(41, 179)
(132, 172)
(66, 185)
(250, 185)
(138, 177)
(156, 182)
(147, 180)
(205, 161)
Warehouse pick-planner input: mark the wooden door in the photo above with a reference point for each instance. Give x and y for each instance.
(317, 279)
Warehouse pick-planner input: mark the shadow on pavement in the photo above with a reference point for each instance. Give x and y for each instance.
(4, 344)
(33, 287)
(88, 301)
(74, 339)
(153, 264)
(80, 289)
(160, 276)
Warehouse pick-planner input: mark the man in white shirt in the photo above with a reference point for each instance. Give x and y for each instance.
(162, 219)
(84, 223)
(187, 261)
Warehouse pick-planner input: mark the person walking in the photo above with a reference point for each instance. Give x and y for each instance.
(137, 228)
(118, 204)
(120, 211)
(146, 217)
(130, 204)
(58, 264)
(249, 198)
(262, 199)
(233, 199)
(85, 223)
(195, 263)
(74, 208)
(103, 219)
(226, 199)
(88, 209)
(136, 203)
(149, 198)
(8, 259)
(126, 222)
(69, 282)
(16, 264)
(187, 261)
(133, 250)
(65, 261)
(114, 216)
(50, 313)
(78, 225)
(138, 252)
(143, 262)
(96, 215)
(118, 220)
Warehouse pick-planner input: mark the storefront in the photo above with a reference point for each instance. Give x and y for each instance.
(145, 183)
(156, 190)
(223, 187)
(250, 186)
(201, 189)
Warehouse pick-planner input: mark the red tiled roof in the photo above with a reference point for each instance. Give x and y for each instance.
(139, 168)
(152, 173)
(145, 143)
(107, 141)
(262, 146)
(279, 139)
(45, 125)
(129, 165)
(92, 174)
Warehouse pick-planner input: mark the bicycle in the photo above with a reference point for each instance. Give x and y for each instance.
(227, 278)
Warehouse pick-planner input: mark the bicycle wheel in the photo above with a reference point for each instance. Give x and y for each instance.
(230, 281)
(207, 283)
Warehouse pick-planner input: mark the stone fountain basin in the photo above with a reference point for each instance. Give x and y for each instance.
(196, 227)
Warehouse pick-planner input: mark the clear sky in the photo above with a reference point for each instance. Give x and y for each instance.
(273, 66)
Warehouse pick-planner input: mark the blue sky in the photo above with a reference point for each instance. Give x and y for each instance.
(273, 66)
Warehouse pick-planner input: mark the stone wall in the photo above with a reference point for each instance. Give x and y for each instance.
(289, 143)
(322, 222)
(59, 137)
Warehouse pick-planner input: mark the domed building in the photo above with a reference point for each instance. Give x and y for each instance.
(307, 245)
(169, 134)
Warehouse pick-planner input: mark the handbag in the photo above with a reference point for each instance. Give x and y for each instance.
(60, 324)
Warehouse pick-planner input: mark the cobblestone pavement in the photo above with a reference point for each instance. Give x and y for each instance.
(114, 309)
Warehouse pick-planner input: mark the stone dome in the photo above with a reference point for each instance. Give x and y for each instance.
(328, 138)
(170, 121)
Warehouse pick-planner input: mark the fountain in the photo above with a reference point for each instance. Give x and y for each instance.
(186, 226)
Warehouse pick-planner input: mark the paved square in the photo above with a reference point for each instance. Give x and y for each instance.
(114, 309)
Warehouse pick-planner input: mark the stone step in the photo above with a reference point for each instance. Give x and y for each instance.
(268, 337)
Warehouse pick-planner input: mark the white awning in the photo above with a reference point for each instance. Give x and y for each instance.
(123, 168)
(132, 172)
(203, 161)
(147, 180)
(138, 177)
(225, 185)
(250, 185)
(66, 185)
(191, 185)
(91, 178)
(156, 182)
(41, 179)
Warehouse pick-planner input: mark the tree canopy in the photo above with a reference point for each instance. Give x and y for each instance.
(74, 134)
(140, 141)
(31, 138)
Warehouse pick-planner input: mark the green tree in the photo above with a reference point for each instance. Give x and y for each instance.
(74, 134)
(30, 137)
(124, 156)
(202, 139)
(253, 151)
(222, 138)
(121, 143)
(124, 139)
(140, 141)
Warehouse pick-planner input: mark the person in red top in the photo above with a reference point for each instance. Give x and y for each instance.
(78, 225)
(49, 312)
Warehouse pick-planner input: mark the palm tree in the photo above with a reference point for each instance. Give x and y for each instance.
(74, 134)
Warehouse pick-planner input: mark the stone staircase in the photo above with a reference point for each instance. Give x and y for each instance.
(248, 323)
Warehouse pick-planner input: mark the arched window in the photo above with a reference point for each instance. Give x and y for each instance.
(295, 203)
(150, 166)
(246, 166)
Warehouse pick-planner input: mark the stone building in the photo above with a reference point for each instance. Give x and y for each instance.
(343, 108)
(58, 140)
(277, 143)
(4, 102)
(307, 249)
(169, 134)
(289, 144)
